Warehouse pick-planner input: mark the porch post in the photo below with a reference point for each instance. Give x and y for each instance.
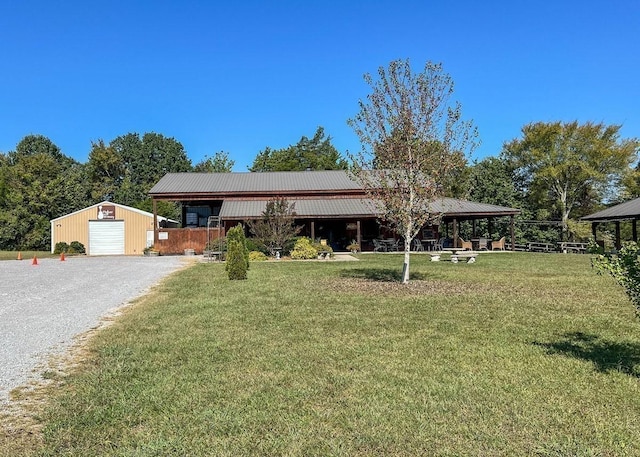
(594, 225)
(474, 227)
(618, 243)
(359, 235)
(313, 231)
(513, 233)
(455, 232)
(155, 222)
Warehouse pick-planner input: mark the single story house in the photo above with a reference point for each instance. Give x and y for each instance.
(328, 205)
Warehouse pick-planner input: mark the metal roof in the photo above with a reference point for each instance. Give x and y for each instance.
(304, 208)
(106, 203)
(271, 182)
(626, 210)
(357, 207)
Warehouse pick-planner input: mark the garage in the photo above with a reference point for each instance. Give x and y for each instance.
(106, 238)
(107, 228)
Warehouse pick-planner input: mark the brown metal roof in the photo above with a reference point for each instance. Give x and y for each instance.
(626, 210)
(358, 207)
(304, 208)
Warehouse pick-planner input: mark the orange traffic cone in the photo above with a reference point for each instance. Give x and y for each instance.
(62, 256)
(35, 260)
(19, 255)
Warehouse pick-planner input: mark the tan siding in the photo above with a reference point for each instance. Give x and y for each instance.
(75, 227)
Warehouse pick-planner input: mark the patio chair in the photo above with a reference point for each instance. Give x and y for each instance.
(395, 245)
(498, 244)
(438, 245)
(379, 246)
(466, 245)
(417, 245)
(482, 244)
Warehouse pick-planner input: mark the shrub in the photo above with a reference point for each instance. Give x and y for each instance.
(76, 247)
(236, 264)
(624, 267)
(257, 256)
(237, 234)
(61, 247)
(303, 249)
(323, 247)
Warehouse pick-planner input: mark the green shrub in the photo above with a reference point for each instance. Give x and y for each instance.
(255, 245)
(61, 247)
(237, 234)
(323, 247)
(236, 264)
(76, 247)
(257, 256)
(303, 249)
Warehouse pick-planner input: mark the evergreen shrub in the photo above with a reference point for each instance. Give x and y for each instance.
(236, 264)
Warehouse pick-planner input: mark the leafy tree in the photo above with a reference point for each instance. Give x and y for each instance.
(315, 153)
(565, 166)
(413, 140)
(277, 226)
(39, 183)
(219, 163)
(106, 170)
(236, 266)
(145, 161)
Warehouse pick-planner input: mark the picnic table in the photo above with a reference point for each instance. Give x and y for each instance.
(578, 248)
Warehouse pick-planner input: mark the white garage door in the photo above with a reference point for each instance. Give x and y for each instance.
(106, 237)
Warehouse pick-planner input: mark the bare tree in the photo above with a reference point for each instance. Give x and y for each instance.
(413, 141)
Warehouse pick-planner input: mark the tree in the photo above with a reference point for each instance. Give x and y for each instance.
(567, 165)
(316, 153)
(219, 163)
(277, 226)
(39, 183)
(106, 171)
(145, 161)
(413, 140)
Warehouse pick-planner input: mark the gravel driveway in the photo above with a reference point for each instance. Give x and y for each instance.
(42, 307)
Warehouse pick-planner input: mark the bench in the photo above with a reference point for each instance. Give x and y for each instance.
(470, 257)
(541, 247)
(212, 255)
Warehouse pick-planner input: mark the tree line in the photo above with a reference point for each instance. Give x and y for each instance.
(38, 182)
(555, 172)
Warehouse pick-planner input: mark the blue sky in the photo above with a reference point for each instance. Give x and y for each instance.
(241, 76)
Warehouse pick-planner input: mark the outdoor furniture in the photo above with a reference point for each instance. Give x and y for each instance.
(498, 244)
(438, 245)
(429, 243)
(392, 244)
(482, 244)
(379, 246)
(465, 245)
(578, 248)
(417, 245)
(541, 247)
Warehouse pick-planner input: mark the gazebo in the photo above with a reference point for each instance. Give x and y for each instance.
(627, 211)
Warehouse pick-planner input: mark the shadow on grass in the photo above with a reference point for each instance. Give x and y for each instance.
(380, 274)
(605, 355)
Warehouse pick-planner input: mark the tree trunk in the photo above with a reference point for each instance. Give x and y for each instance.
(407, 258)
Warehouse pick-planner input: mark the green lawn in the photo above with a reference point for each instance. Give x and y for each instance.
(26, 255)
(517, 354)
